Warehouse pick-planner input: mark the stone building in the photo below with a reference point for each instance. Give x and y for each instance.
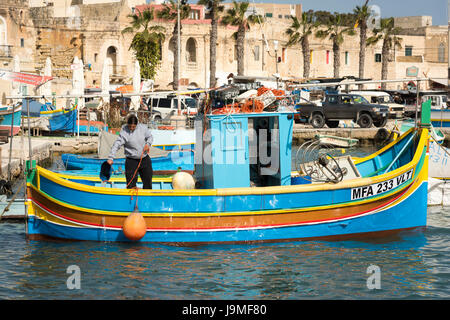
(91, 30)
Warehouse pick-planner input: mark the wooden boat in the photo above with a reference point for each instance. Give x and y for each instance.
(240, 196)
(337, 141)
(6, 117)
(45, 117)
(440, 117)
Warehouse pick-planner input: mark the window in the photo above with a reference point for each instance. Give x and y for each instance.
(283, 54)
(280, 16)
(328, 56)
(346, 57)
(287, 16)
(2, 31)
(256, 53)
(162, 103)
(441, 53)
(194, 14)
(408, 51)
(377, 57)
(346, 99)
(268, 15)
(22, 42)
(332, 99)
(191, 50)
(95, 57)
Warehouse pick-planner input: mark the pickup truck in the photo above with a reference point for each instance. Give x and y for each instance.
(337, 107)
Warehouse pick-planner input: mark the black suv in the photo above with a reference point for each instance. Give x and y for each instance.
(337, 107)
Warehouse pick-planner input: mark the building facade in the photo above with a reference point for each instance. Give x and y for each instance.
(33, 30)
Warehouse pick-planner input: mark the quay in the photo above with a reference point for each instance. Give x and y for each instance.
(366, 136)
(42, 150)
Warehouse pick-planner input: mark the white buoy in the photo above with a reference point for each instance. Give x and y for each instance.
(183, 180)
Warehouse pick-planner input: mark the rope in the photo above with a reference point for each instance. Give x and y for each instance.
(137, 168)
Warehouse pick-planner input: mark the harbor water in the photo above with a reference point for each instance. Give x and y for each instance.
(411, 265)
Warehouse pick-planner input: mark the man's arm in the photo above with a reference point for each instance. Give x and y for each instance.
(120, 141)
(148, 141)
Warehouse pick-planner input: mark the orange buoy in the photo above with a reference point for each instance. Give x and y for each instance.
(134, 226)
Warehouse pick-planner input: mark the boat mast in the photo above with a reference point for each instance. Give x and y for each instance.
(179, 58)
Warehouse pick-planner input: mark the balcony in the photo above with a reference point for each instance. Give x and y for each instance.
(5, 51)
(118, 73)
(416, 59)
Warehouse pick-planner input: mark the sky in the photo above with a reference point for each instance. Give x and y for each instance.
(388, 8)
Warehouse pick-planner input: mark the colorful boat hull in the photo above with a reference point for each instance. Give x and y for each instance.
(440, 118)
(6, 118)
(382, 204)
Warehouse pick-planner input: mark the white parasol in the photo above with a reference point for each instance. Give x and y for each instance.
(105, 78)
(46, 89)
(135, 100)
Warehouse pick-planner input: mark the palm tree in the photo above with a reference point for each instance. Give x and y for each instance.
(362, 15)
(299, 33)
(387, 33)
(335, 31)
(214, 8)
(146, 43)
(236, 16)
(169, 13)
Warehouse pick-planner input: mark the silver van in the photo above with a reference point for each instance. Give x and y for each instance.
(167, 106)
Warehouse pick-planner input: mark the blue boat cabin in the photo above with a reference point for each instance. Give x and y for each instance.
(244, 150)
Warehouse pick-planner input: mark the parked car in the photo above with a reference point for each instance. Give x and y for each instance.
(438, 101)
(338, 107)
(167, 105)
(379, 97)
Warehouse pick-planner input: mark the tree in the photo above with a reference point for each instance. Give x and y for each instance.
(214, 8)
(146, 43)
(237, 16)
(362, 15)
(335, 31)
(170, 13)
(299, 33)
(387, 33)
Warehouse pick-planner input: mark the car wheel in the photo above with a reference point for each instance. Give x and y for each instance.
(317, 121)
(157, 118)
(380, 123)
(332, 124)
(365, 121)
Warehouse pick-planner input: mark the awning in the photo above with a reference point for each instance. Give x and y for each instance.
(441, 81)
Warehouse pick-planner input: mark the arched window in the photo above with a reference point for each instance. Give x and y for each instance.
(111, 53)
(191, 50)
(2, 31)
(441, 52)
(172, 49)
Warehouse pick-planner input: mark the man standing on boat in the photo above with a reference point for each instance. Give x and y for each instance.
(136, 139)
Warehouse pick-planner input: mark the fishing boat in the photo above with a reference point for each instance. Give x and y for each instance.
(45, 117)
(244, 194)
(6, 117)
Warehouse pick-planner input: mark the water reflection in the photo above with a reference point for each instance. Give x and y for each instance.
(412, 265)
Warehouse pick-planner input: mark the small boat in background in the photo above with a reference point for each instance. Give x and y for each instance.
(337, 141)
(45, 117)
(171, 161)
(6, 117)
